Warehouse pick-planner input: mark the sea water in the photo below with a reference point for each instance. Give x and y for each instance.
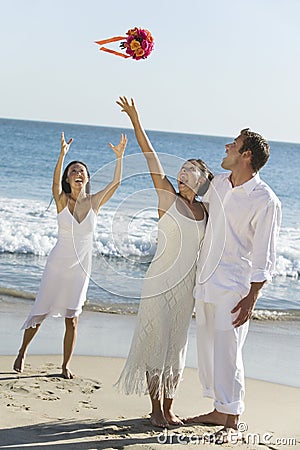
(125, 237)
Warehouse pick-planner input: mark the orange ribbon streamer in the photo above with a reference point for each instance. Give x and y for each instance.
(108, 50)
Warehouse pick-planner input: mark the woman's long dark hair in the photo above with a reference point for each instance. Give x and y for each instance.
(206, 172)
(66, 186)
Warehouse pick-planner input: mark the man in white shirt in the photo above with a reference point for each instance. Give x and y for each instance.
(237, 258)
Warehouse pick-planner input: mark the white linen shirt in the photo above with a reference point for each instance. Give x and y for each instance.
(239, 246)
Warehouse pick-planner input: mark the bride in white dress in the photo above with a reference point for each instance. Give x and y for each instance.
(65, 279)
(157, 355)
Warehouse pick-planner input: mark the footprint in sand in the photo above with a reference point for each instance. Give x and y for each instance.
(13, 405)
(16, 387)
(89, 386)
(19, 390)
(87, 404)
(39, 388)
(35, 386)
(48, 395)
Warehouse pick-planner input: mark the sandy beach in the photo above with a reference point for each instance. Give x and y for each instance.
(41, 410)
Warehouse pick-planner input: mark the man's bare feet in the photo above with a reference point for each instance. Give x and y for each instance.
(213, 418)
(19, 363)
(66, 373)
(172, 419)
(158, 420)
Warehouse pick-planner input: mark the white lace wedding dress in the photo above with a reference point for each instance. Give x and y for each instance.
(159, 344)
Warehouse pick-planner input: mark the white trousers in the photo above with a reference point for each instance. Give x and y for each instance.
(220, 362)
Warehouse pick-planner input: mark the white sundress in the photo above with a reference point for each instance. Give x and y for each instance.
(159, 343)
(65, 279)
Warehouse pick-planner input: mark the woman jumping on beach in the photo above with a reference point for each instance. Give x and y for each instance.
(65, 279)
(157, 355)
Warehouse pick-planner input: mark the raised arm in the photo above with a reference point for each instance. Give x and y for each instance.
(101, 197)
(160, 181)
(56, 184)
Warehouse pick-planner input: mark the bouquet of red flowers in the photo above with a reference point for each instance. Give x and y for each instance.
(138, 44)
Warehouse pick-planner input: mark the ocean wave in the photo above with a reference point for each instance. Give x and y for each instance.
(265, 314)
(288, 252)
(14, 293)
(27, 227)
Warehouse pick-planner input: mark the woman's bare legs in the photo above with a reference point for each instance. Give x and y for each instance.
(168, 413)
(168, 403)
(69, 344)
(157, 418)
(161, 415)
(29, 334)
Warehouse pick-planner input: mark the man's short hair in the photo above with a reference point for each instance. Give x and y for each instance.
(258, 146)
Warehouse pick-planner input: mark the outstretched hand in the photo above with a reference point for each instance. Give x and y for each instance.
(65, 145)
(127, 107)
(120, 148)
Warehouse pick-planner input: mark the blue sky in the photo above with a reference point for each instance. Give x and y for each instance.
(218, 65)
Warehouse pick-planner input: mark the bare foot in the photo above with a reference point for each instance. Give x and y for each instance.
(172, 419)
(213, 418)
(226, 436)
(66, 373)
(19, 363)
(158, 420)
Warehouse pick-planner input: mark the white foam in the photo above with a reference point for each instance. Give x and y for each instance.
(26, 227)
(266, 314)
(288, 250)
